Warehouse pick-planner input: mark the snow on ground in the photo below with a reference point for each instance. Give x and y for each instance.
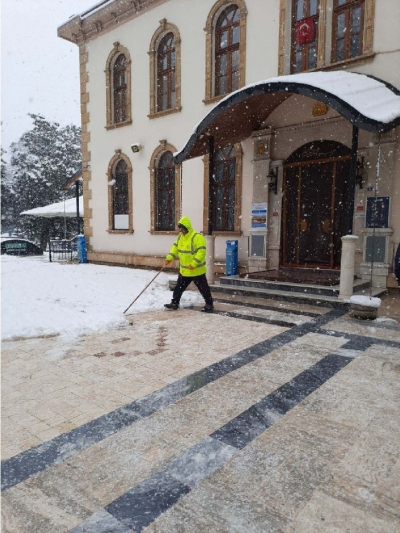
(43, 298)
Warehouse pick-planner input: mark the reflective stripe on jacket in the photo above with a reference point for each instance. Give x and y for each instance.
(190, 249)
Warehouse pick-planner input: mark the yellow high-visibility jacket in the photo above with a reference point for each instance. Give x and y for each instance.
(190, 249)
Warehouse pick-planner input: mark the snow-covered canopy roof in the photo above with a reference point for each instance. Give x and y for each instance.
(367, 102)
(65, 208)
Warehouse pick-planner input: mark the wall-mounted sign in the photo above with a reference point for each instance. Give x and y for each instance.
(360, 208)
(275, 214)
(377, 212)
(259, 215)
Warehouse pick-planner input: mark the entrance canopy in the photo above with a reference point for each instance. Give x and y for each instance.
(65, 208)
(367, 102)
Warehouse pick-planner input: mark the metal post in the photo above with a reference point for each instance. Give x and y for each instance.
(210, 184)
(352, 181)
(78, 224)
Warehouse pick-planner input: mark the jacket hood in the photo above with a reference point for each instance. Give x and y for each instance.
(185, 221)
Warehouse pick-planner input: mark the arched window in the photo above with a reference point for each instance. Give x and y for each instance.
(165, 70)
(165, 193)
(227, 40)
(165, 189)
(348, 27)
(304, 35)
(119, 89)
(166, 73)
(120, 194)
(224, 189)
(225, 49)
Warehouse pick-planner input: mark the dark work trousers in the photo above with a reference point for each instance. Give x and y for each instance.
(201, 283)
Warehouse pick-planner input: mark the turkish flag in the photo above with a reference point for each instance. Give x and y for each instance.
(305, 30)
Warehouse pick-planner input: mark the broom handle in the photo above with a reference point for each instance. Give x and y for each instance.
(144, 289)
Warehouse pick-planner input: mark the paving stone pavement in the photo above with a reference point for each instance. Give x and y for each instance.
(273, 418)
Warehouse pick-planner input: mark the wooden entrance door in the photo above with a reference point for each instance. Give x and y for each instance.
(314, 211)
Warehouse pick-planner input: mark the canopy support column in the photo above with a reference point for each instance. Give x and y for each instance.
(210, 184)
(352, 181)
(210, 239)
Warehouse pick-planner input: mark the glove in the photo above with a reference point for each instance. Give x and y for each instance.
(190, 267)
(167, 262)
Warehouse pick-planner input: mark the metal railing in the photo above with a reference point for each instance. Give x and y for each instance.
(63, 249)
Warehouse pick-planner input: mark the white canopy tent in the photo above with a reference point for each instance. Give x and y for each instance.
(66, 208)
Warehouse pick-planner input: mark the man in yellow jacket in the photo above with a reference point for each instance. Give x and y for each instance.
(190, 249)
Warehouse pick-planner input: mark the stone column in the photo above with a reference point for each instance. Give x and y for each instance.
(210, 244)
(347, 266)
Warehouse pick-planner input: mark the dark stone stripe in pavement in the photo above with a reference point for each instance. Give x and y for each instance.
(143, 504)
(140, 506)
(240, 431)
(360, 340)
(35, 460)
(253, 318)
(285, 310)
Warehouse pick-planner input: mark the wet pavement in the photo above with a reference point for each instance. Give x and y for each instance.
(260, 417)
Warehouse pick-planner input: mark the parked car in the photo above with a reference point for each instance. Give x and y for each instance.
(16, 246)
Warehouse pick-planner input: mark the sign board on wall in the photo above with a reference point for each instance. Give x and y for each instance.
(259, 215)
(377, 212)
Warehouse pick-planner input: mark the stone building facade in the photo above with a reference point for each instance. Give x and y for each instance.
(150, 70)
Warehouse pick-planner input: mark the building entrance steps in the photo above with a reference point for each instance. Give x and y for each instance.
(316, 295)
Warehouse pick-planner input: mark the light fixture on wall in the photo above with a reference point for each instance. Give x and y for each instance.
(136, 147)
(273, 181)
(360, 172)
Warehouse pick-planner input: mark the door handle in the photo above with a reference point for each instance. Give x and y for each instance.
(303, 225)
(326, 225)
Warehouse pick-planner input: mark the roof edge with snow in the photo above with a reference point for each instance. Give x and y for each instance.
(367, 102)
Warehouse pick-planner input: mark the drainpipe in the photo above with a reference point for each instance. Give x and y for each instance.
(210, 239)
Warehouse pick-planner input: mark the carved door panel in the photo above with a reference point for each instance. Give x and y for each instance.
(314, 213)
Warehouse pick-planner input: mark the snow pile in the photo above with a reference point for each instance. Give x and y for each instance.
(43, 298)
(385, 319)
(367, 301)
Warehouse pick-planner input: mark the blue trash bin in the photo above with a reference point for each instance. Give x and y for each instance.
(81, 243)
(232, 268)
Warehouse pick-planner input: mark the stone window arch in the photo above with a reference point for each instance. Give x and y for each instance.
(225, 49)
(165, 70)
(228, 165)
(120, 216)
(118, 87)
(165, 190)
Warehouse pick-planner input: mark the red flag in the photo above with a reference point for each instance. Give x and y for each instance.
(305, 30)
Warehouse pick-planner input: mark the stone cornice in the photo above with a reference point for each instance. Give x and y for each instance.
(90, 25)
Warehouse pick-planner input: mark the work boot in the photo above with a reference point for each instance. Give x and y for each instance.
(208, 308)
(173, 305)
